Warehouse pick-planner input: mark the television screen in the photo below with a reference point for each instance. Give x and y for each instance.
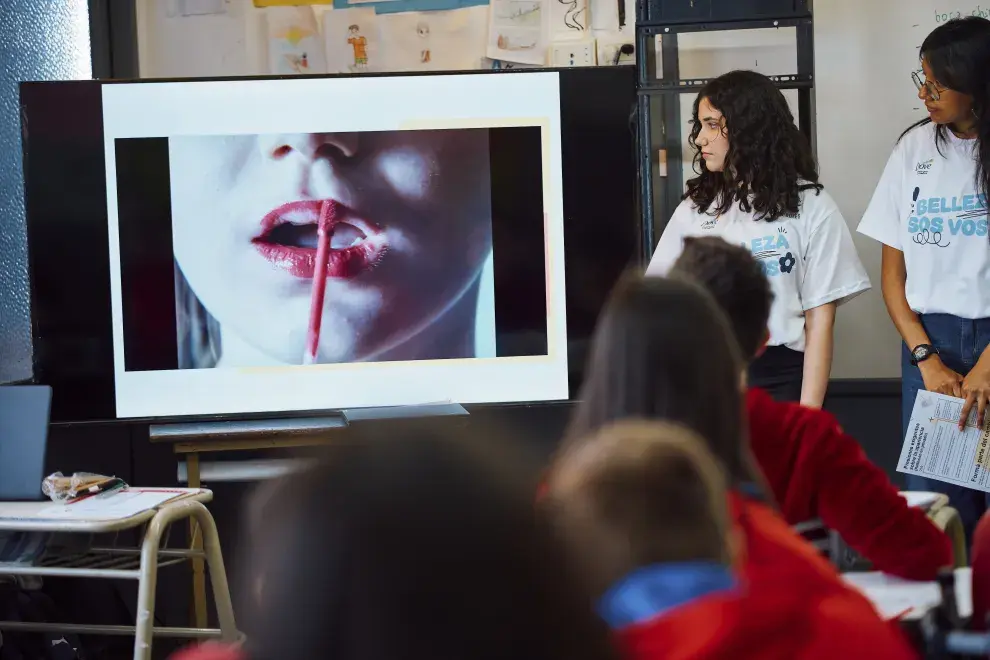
(289, 245)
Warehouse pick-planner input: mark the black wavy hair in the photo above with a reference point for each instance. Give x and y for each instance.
(769, 162)
(958, 53)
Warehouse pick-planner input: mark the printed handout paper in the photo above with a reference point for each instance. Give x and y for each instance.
(935, 447)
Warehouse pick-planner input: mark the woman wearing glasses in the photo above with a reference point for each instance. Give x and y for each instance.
(930, 212)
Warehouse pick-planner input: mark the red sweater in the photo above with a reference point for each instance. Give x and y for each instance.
(817, 471)
(209, 651)
(981, 573)
(787, 577)
(773, 621)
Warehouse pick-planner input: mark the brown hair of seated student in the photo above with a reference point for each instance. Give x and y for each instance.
(664, 351)
(409, 544)
(736, 280)
(639, 493)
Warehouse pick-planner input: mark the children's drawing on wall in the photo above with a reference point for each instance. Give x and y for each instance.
(294, 44)
(423, 32)
(569, 17)
(352, 40)
(435, 40)
(359, 43)
(519, 29)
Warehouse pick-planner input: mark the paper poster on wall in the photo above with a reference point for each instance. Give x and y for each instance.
(519, 31)
(568, 18)
(352, 39)
(434, 41)
(294, 43)
(290, 3)
(397, 6)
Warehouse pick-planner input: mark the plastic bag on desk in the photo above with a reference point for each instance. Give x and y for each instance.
(60, 488)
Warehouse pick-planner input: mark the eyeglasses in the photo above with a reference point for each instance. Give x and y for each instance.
(931, 90)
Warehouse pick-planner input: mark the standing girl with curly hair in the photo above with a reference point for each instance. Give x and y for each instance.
(757, 186)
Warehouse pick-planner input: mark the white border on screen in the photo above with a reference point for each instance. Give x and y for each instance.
(372, 104)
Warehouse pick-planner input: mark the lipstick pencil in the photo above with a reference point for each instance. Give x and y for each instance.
(327, 215)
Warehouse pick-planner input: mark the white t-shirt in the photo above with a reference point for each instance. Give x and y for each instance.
(929, 207)
(810, 259)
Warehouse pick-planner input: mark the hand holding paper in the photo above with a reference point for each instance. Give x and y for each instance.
(976, 391)
(937, 447)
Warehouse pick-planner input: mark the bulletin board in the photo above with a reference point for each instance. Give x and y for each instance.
(195, 38)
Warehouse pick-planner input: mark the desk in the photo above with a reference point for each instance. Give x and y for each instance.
(892, 595)
(139, 563)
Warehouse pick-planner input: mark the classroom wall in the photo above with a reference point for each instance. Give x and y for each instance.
(234, 43)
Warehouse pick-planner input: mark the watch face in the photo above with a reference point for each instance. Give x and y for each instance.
(921, 352)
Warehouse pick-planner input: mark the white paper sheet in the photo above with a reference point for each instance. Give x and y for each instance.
(111, 506)
(895, 597)
(919, 499)
(569, 19)
(519, 30)
(294, 43)
(934, 447)
(435, 40)
(353, 40)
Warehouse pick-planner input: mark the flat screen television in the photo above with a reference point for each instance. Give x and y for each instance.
(245, 247)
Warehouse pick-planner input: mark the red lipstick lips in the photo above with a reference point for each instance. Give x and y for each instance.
(289, 239)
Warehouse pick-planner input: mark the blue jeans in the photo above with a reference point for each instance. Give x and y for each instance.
(960, 342)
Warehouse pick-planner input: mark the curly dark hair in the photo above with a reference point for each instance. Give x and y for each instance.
(737, 282)
(769, 162)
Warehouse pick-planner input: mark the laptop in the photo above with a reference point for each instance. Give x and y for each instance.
(24, 414)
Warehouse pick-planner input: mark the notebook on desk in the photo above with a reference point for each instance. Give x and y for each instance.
(24, 411)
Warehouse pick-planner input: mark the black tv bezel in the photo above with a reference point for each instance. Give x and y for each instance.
(37, 337)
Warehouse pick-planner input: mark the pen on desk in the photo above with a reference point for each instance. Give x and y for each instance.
(901, 615)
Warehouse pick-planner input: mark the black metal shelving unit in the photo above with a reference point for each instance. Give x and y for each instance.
(658, 111)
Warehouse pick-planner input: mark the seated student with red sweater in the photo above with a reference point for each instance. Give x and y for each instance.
(813, 468)
(663, 351)
(643, 506)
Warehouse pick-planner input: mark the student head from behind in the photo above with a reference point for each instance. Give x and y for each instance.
(736, 281)
(640, 494)
(416, 546)
(663, 351)
(748, 149)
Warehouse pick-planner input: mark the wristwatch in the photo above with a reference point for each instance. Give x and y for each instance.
(922, 352)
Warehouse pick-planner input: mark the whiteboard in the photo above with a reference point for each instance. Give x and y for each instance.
(865, 51)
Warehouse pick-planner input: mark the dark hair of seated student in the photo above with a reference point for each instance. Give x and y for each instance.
(814, 469)
(736, 280)
(421, 544)
(664, 351)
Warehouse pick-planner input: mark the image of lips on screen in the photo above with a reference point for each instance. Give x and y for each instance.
(333, 247)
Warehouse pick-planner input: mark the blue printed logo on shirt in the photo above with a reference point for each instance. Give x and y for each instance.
(938, 220)
(773, 253)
